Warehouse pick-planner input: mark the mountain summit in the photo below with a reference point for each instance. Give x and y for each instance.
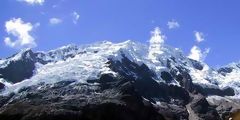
(116, 81)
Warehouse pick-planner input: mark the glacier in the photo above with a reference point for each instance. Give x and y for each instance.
(88, 62)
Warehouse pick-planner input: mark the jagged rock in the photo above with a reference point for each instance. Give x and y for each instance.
(183, 78)
(5, 99)
(225, 70)
(125, 66)
(21, 69)
(224, 106)
(196, 64)
(63, 103)
(204, 110)
(166, 76)
(1, 86)
(121, 84)
(214, 91)
(172, 112)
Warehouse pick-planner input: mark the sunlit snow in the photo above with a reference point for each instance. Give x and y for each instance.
(90, 61)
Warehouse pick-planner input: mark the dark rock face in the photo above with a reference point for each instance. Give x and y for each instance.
(110, 111)
(146, 85)
(105, 111)
(5, 99)
(130, 69)
(79, 102)
(183, 78)
(173, 112)
(201, 107)
(214, 91)
(166, 76)
(151, 90)
(19, 70)
(225, 107)
(196, 64)
(225, 70)
(1, 86)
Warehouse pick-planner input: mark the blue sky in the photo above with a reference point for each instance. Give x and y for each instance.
(216, 22)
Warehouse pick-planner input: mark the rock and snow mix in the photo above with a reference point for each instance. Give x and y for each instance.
(88, 62)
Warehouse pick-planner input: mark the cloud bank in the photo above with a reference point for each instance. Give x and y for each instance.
(55, 21)
(17, 28)
(173, 24)
(76, 17)
(199, 36)
(197, 54)
(33, 2)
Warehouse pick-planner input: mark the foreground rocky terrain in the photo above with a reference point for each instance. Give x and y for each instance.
(123, 81)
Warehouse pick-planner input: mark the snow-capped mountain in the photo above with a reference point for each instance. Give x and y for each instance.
(155, 68)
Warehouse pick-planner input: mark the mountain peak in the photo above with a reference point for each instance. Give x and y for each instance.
(64, 48)
(23, 53)
(157, 72)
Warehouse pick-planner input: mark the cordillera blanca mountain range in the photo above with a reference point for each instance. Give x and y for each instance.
(117, 81)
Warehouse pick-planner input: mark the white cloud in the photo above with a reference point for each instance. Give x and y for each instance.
(156, 43)
(76, 17)
(20, 30)
(173, 24)
(197, 54)
(33, 2)
(199, 36)
(55, 21)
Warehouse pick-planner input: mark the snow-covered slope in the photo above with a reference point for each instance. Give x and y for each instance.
(88, 62)
(16, 57)
(85, 63)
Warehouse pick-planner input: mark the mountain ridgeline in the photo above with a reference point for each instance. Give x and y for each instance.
(116, 81)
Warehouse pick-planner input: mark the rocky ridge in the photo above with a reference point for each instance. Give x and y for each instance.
(120, 81)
